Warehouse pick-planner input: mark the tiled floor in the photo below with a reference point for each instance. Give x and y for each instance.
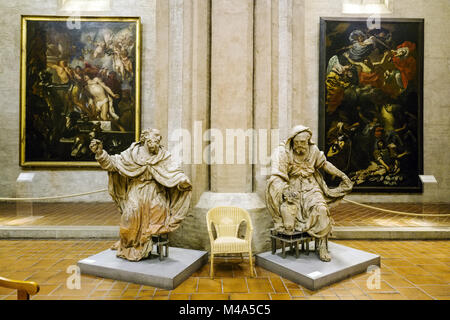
(106, 214)
(410, 270)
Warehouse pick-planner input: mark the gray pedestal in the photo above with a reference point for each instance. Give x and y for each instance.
(24, 189)
(313, 274)
(165, 274)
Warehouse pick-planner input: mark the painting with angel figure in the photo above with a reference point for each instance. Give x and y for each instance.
(80, 79)
(371, 101)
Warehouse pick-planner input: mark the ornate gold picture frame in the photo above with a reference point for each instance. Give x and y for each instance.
(80, 79)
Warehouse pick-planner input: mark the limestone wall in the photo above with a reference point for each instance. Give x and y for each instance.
(176, 79)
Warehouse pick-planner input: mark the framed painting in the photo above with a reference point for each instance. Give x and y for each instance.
(80, 79)
(371, 101)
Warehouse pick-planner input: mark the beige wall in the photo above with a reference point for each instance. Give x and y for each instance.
(175, 80)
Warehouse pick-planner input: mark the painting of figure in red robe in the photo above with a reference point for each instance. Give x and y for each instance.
(80, 80)
(371, 101)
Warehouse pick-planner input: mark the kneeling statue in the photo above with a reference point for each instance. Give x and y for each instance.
(151, 192)
(296, 194)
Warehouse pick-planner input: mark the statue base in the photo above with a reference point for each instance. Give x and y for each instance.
(312, 273)
(165, 274)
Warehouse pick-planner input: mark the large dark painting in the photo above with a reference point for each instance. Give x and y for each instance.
(80, 80)
(371, 80)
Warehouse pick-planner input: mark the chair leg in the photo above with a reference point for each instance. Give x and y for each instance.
(250, 257)
(211, 269)
(242, 257)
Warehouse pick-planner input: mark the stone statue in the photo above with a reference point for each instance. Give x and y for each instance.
(296, 194)
(150, 190)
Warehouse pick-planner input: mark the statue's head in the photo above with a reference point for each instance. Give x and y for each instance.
(301, 141)
(151, 138)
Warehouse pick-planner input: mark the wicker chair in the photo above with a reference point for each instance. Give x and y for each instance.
(226, 221)
(24, 288)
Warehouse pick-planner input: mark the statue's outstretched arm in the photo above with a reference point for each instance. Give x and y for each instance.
(331, 169)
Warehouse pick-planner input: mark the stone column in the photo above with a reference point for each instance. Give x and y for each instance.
(231, 90)
(232, 115)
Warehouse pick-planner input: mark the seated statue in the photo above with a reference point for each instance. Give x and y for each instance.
(296, 194)
(151, 192)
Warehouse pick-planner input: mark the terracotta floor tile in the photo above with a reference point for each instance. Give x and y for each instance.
(384, 287)
(213, 296)
(414, 294)
(203, 271)
(412, 270)
(147, 293)
(333, 297)
(326, 291)
(144, 298)
(278, 285)
(348, 292)
(161, 298)
(280, 296)
(47, 289)
(130, 293)
(43, 297)
(296, 292)
(64, 291)
(161, 292)
(209, 285)
(259, 285)
(315, 298)
(187, 286)
(223, 269)
(261, 272)
(234, 285)
(424, 279)
(435, 268)
(308, 292)
(174, 296)
(396, 262)
(115, 293)
(421, 261)
(290, 284)
(134, 286)
(397, 281)
(240, 270)
(249, 296)
(104, 285)
(98, 293)
(386, 296)
(436, 290)
(119, 285)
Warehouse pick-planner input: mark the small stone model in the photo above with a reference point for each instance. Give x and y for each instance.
(150, 190)
(296, 194)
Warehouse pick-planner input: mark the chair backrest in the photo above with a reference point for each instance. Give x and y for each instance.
(227, 220)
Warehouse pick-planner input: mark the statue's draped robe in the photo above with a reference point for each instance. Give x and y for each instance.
(145, 188)
(305, 178)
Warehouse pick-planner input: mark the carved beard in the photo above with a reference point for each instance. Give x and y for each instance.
(300, 150)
